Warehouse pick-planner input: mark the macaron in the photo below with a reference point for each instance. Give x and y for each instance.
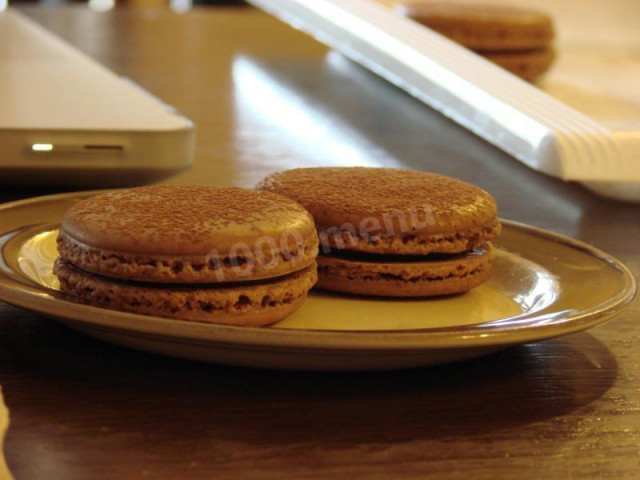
(220, 255)
(515, 38)
(394, 232)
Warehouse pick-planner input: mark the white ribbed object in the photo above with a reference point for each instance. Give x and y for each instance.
(519, 118)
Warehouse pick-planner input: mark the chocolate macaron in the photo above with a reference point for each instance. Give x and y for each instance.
(517, 39)
(393, 232)
(219, 255)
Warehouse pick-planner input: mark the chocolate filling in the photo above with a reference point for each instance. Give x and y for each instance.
(366, 257)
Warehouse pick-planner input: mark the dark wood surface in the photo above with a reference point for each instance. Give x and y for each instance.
(83, 409)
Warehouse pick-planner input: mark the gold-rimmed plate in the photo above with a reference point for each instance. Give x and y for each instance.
(542, 285)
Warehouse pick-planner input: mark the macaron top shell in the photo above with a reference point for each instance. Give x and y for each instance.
(384, 205)
(188, 234)
(183, 220)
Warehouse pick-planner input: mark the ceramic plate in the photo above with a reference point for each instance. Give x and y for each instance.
(543, 285)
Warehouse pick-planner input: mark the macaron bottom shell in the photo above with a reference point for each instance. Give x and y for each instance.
(251, 304)
(419, 277)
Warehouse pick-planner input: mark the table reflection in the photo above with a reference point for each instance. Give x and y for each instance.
(266, 106)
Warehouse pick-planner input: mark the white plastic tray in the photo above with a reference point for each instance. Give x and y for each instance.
(539, 130)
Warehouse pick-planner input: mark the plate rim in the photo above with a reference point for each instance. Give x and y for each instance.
(491, 334)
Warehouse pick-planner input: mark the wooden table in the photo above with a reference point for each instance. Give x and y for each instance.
(83, 409)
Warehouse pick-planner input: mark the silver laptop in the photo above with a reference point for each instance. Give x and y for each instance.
(65, 119)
